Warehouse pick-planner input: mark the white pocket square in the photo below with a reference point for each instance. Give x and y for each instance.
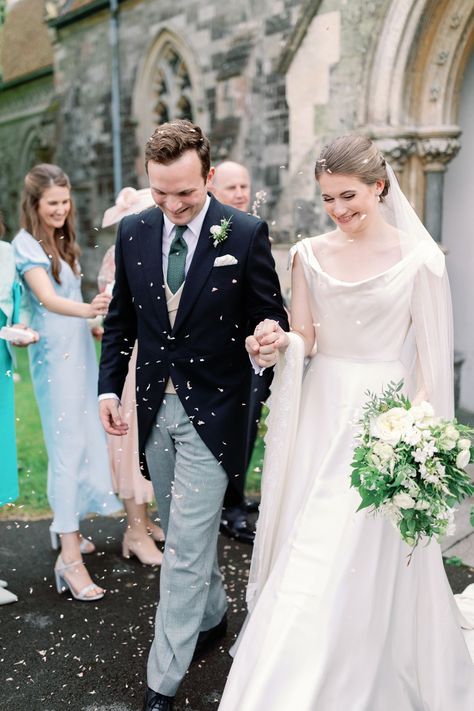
(225, 261)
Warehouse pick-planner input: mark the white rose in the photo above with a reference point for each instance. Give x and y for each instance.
(215, 229)
(390, 425)
(464, 443)
(384, 451)
(446, 443)
(422, 505)
(423, 415)
(403, 501)
(450, 432)
(463, 458)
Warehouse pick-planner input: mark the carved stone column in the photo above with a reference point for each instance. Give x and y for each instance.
(396, 151)
(435, 153)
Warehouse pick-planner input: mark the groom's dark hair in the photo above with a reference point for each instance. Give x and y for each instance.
(170, 140)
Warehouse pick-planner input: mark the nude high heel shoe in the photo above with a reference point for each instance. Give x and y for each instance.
(155, 531)
(86, 546)
(62, 583)
(142, 548)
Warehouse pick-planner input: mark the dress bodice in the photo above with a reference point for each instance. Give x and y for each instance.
(362, 320)
(30, 254)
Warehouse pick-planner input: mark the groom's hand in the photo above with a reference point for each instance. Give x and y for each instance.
(110, 417)
(263, 356)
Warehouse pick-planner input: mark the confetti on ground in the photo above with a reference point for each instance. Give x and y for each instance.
(58, 654)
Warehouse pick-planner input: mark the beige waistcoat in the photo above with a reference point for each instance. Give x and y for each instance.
(172, 303)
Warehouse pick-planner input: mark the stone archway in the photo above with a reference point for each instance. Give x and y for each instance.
(411, 107)
(36, 149)
(411, 98)
(168, 86)
(458, 237)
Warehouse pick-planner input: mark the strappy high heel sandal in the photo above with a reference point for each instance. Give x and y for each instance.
(62, 583)
(86, 546)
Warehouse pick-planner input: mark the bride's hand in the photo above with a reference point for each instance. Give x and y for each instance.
(270, 333)
(264, 345)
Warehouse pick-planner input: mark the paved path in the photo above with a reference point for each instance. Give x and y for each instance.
(58, 654)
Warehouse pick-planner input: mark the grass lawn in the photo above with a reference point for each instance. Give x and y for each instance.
(254, 472)
(33, 461)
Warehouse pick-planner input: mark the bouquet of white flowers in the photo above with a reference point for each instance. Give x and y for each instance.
(410, 465)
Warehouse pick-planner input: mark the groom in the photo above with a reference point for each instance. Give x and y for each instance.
(193, 279)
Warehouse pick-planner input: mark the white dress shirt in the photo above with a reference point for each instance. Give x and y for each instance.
(191, 236)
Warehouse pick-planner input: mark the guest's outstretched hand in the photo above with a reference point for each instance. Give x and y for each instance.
(98, 306)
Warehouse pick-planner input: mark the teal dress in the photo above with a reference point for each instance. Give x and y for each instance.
(9, 310)
(64, 372)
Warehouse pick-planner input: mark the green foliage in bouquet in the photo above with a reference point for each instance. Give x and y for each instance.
(410, 465)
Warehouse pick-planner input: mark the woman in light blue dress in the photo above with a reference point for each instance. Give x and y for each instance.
(64, 369)
(10, 291)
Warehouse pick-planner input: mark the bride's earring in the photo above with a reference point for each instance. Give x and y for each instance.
(378, 197)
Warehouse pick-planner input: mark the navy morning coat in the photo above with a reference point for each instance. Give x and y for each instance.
(204, 354)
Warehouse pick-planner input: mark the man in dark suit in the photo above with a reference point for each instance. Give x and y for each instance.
(231, 186)
(193, 279)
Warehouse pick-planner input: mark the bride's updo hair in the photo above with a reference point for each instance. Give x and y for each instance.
(354, 155)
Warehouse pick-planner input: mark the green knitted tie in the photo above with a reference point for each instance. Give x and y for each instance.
(177, 259)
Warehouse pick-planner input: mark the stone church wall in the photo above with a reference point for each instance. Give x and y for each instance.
(246, 62)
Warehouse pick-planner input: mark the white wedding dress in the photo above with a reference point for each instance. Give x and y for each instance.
(339, 621)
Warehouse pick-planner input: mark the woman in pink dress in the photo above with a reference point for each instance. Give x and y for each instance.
(135, 491)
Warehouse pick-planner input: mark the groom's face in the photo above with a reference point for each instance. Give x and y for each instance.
(179, 188)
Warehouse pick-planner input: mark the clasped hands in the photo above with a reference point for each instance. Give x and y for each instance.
(268, 338)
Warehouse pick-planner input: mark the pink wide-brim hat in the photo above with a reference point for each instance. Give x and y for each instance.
(128, 202)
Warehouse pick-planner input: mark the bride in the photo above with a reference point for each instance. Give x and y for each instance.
(337, 620)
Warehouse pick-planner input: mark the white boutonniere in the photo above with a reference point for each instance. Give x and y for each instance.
(219, 233)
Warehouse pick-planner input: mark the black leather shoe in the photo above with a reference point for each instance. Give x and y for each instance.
(207, 639)
(237, 526)
(157, 702)
(251, 506)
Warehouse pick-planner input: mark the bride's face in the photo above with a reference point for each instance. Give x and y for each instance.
(348, 201)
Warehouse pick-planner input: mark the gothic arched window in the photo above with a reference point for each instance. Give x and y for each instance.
(172, 86)
(169, 86)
